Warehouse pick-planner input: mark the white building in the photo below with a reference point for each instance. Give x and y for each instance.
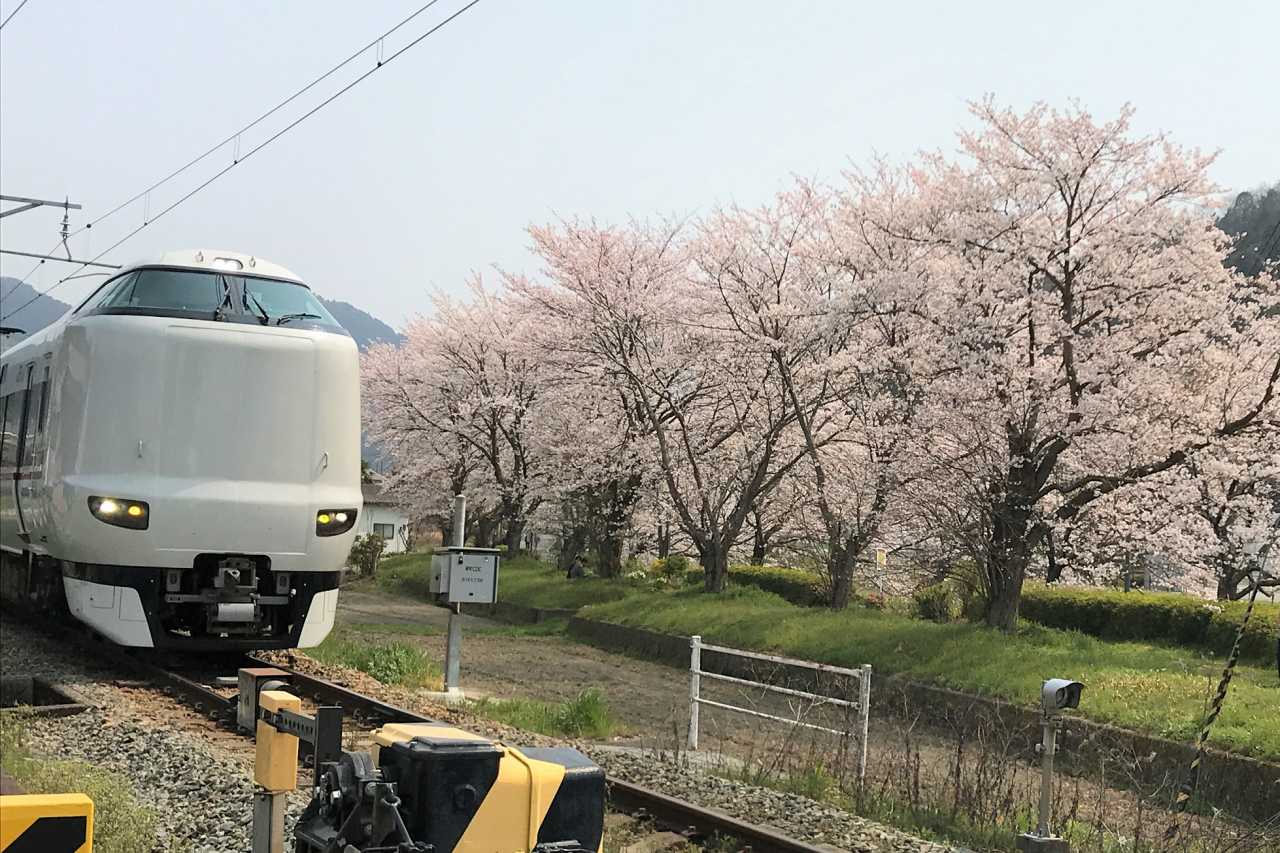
(384, 517)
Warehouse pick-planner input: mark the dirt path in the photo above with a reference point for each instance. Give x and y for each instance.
(375, 608)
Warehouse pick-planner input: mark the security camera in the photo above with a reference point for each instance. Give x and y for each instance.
(1058, 694)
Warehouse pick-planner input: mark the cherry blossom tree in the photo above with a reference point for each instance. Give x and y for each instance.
(465, 381)
(643, 301)
(1082, 315)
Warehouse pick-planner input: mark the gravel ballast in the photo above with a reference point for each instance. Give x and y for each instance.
(201, 787)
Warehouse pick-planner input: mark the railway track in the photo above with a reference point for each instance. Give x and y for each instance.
(653, 810)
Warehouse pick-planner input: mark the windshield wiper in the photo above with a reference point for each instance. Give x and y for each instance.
(226, 298)
(303, 315)
(262, 312)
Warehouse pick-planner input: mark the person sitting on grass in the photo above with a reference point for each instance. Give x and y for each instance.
(576, 570)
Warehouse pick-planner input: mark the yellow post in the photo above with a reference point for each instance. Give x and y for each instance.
(50, 823)
(275, 761)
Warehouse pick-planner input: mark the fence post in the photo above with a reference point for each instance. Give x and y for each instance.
(695, 669)
(864, 720)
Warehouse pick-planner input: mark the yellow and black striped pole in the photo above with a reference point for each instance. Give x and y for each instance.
(1184, 793)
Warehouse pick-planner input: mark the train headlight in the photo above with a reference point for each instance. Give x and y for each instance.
(121, 512)
(331, 522)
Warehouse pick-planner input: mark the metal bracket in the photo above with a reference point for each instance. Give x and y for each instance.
(323, 731)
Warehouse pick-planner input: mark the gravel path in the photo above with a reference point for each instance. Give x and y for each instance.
(200, 787)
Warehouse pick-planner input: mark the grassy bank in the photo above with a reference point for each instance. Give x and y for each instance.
(1151, 688)
(1154, 688)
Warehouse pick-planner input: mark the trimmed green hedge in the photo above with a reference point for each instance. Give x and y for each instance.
(1173, 617)
(803, 589)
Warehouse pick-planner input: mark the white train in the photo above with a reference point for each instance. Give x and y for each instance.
(181, 458)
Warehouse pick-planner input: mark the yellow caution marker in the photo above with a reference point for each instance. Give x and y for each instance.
(46, 823)
(275, 761)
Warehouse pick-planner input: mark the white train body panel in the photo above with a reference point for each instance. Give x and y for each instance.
(233, 434)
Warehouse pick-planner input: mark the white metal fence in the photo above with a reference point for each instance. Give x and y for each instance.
(861, 706)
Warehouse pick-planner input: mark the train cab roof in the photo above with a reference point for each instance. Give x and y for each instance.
(216, 260)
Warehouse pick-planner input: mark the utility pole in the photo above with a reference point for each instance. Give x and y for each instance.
(453, 643)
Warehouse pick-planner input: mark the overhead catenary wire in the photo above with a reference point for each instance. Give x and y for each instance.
(11, 14)
(235, 137)
(258, 147)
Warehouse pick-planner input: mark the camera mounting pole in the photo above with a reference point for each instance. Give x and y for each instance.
(1048, 747)
(1056, 695)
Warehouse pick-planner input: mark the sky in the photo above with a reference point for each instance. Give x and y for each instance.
(521, 111)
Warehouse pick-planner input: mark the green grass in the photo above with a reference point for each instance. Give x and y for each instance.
(120, 823)
(390, 663)
(1151, 687)
(547, 628)
(522, 579)
(586, 716)
(412, 630)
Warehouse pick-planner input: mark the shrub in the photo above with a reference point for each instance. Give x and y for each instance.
(877, 601)
(803, 589)
(937, 603)
(973, 606)
(1172, 617)
(677, 564)
(366, 550)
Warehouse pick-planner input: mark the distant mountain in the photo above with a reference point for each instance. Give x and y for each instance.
(31, 318)
(365, 328)
(43, 310)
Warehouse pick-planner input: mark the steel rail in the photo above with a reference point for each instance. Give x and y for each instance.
(708, 823)
(623, 796)
(364, 709)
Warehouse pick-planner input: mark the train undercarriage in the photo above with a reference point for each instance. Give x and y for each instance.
(220, 602)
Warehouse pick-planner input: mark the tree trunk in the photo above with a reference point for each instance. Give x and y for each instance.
(664, 541)
(610, 549)
(485, 528)
(759, 542)
(715, 562)
(1006, 570)
(1054, 573)
(840, 562)
(515, 532)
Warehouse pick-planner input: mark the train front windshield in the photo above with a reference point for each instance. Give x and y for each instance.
(282, 302)
(208, 295)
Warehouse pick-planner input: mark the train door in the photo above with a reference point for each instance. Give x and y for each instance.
(15, 401)
(31, 460)
(26, 447)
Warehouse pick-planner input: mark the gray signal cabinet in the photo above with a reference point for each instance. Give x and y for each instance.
(465, 575)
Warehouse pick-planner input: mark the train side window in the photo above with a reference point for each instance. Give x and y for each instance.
(102, 294)
(44, 402)
(12, 416)
(35, 400)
